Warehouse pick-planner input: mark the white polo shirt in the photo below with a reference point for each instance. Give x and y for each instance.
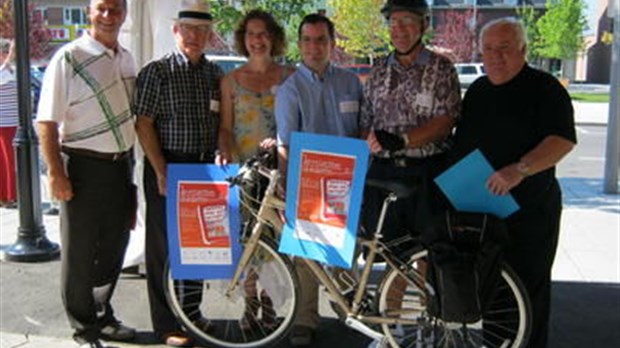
(87, 90)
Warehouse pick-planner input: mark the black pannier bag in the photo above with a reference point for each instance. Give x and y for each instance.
(465, 255)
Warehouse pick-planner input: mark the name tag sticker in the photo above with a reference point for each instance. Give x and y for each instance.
(425, 100)
(349, 106)
(214, 106)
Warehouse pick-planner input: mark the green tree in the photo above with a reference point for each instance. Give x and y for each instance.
(561, 29)
(288, 12)
(39, 36)
(361, 27)
(529, 16)
(457, 34)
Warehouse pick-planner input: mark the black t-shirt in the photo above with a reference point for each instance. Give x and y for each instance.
(507, 121)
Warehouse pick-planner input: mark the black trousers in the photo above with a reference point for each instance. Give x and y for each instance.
(156, 254)
(533, 241)
(95, 226)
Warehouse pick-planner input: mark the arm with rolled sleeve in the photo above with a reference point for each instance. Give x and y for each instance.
(558, 139)
(146, 107)
(287, 120)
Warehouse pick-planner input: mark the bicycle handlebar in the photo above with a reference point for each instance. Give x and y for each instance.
(260, 163)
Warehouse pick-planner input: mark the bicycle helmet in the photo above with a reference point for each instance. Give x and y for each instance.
(419, 7)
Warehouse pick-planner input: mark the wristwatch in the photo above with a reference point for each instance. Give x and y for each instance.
(523, 168)
(405, 137)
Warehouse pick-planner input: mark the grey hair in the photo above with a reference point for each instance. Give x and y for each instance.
(514, 23)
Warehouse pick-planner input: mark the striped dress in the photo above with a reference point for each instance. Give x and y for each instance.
(8, 98)
(8, 125)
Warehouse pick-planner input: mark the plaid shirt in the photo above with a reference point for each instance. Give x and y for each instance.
(183, 100)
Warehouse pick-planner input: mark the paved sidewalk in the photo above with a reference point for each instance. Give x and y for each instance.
(586, 278)
(591, 113)
(588, 257)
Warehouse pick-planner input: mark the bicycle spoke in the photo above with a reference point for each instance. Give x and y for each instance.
(504, 325)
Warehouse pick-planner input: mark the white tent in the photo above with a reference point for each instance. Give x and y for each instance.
(147, 31)
(148, 35)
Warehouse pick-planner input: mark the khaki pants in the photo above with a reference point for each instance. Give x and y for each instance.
(308, 311)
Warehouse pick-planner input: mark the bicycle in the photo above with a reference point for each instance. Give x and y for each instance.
(395, 316)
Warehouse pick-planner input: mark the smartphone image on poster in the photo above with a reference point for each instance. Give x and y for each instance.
(336, 197)
(214, 226)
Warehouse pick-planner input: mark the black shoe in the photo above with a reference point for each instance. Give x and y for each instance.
(92, 344)
(118, 332)
(9, 204)
(301, 336)
(51, 211)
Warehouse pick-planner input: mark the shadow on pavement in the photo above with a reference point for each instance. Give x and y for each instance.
(585, 315)
(587, 193)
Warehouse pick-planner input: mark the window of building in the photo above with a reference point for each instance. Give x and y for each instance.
(75, 15)
(40, 13)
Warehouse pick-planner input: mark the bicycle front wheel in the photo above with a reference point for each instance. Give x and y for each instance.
(257, 314)
(505, 324)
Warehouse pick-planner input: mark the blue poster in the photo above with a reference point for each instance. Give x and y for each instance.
(202, 211)
(465, 186)
(325, 185)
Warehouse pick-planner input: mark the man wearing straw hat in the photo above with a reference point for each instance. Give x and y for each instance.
(177, 107)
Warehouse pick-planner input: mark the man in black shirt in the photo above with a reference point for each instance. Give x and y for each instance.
(522, 120)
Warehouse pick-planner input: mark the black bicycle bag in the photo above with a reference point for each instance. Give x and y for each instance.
(465, 254)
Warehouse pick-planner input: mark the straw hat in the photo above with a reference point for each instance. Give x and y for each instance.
(194, 12)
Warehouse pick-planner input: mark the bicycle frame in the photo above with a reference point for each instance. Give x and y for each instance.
(269, 214)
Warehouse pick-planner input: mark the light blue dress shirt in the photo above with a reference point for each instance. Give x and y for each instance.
(307, 103)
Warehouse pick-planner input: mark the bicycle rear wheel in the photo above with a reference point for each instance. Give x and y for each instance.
(257, 314)
(506, 323)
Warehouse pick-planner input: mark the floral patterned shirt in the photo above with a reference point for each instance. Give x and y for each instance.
(398, 98)
(254, 120)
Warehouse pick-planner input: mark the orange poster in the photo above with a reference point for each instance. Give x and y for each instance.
(324, 196)
(203, 221)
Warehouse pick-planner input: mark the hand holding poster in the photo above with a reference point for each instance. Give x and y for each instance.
(203, 221)
(324, 194)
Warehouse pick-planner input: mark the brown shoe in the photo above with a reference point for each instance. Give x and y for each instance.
(177, 339)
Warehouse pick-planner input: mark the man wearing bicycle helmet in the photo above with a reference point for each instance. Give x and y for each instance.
(411, 102)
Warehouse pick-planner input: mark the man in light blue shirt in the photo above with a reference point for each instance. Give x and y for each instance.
(319, 97)
(323, 99)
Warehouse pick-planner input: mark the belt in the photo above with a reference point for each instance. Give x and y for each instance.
(173, 156)
(401, 162)
(106, 156)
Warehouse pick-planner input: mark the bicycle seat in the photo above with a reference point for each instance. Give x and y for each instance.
(390, 186)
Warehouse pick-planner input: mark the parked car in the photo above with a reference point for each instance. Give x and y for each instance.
(36, 80)
(361, 70)
(227, 63)
(469, 72)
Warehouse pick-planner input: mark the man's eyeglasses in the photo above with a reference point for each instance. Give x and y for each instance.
(320, 40)
(201, 29)
(402, 21)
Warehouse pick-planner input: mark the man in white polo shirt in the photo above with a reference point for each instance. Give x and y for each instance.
(87, 134)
